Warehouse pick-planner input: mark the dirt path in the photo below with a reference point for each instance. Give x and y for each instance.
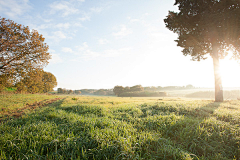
(5, 115)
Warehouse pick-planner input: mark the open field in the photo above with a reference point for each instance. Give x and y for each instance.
(122, 128)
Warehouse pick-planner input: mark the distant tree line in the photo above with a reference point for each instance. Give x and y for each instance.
(23, 55)
(137, 91)
(102, 92)
(159, 88)
(67, 91)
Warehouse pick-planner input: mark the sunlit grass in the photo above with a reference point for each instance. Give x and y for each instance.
(124, 128)
(17, 104)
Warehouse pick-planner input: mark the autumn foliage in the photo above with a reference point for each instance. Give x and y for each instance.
(23, 54)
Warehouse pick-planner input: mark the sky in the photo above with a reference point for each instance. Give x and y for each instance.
(98, 44)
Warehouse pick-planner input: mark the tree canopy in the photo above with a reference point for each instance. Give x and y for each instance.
(202, 23)
(118, 90)
(23, 54)
(37, 81)
(207, 27)
(20, 49)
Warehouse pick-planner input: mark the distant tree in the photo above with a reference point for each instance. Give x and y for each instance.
(207, 27)
(77, 92)
(109, 92)
(70, 91)
(100, 92)
(136, 88)
(153, 88)
(20, 49)
(118, 90)
(59, 90)
(147, 88)
(127, 89)
(189, 86)
(87, 91)
(159, 88)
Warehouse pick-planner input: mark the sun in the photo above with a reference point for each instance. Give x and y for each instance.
(230, 72)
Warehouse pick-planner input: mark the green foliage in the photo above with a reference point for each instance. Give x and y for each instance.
(124, 128)
(207, 27)
(202, 24)
(118, 90)
(137, 88)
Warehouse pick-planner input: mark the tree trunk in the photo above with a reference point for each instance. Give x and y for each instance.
(217, 75)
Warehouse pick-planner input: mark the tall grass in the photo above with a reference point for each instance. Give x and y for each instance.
(124, 128)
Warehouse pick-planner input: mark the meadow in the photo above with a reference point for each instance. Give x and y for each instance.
(88, 127)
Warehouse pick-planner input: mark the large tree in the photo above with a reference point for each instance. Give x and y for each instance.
(207, 27)
(20, 49)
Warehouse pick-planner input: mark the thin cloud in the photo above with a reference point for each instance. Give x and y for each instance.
(57, 36)
(63, 25)
(64, 8)
(123, 31)
(103, 41)
(116, 52)
(67, 50)
(133, 19)
(84, 52)
(55, 58)
(85, 17)
(96, 9)
(14, 8)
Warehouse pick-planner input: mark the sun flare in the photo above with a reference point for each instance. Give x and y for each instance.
(229, 70)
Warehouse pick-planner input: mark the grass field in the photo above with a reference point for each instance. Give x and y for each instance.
(121, 128)
(14, 105)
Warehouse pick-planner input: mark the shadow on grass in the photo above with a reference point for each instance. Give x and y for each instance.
(64, 135)
(82, 109)
(191, 130)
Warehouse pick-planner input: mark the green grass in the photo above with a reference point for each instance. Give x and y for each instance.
(124, 128)
(18, 104)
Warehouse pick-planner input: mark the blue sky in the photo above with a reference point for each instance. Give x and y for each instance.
(103, 43)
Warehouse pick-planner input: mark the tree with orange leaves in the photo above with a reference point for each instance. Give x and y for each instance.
(20, 50)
